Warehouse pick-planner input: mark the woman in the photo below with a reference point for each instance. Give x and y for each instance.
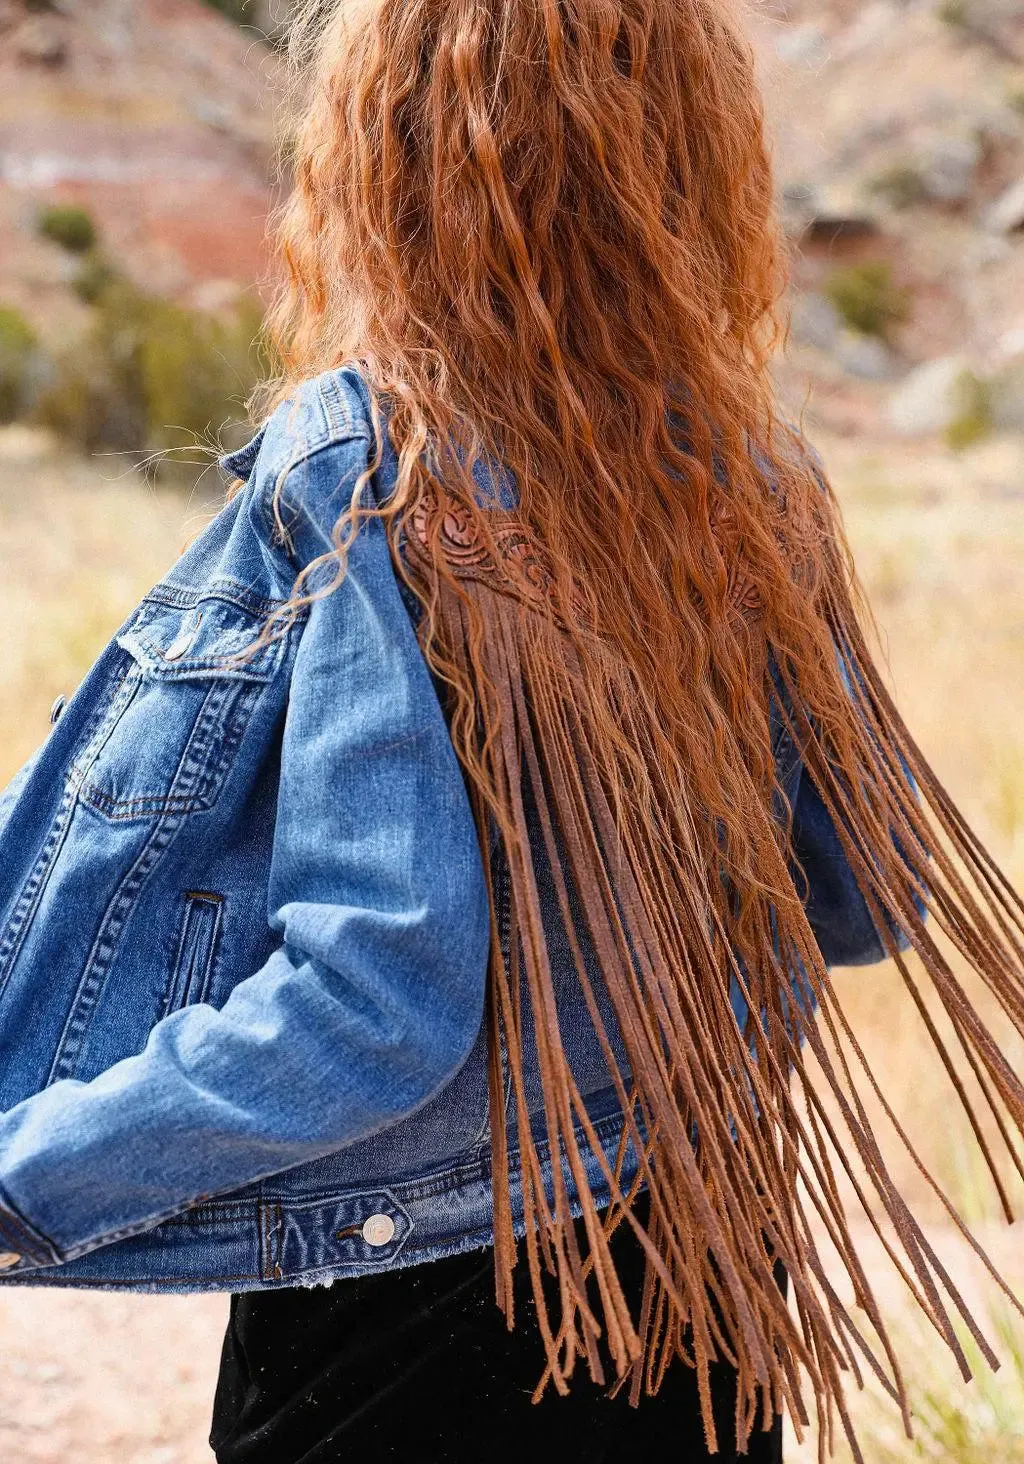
(444, 864)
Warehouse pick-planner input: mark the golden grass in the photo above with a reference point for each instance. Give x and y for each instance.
(939, 541)
(80, 542)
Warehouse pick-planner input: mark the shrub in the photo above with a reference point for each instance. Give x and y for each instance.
(867, 298)
(195, 371)
(17, 350)
(955, 13)
(269, 18)
(70, 227)
(233, 9)
(95, 276)
(900, 185)
(93, 399)
(973, 418)
(151, 375)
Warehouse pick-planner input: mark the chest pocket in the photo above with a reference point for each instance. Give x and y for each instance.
(176, 719)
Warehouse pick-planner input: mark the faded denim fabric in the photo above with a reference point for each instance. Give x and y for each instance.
(244, 926)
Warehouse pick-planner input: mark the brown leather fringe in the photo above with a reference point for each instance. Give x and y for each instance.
(769, 1149)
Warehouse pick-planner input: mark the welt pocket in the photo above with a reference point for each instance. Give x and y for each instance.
(194, 951)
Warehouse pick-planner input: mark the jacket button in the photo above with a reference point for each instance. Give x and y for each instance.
(59, 704)
(184, 641)
(11, 1258)
(378, 1229)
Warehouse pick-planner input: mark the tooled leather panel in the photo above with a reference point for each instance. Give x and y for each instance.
(516, 564)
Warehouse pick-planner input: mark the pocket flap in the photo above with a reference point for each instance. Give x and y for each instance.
(203, 642)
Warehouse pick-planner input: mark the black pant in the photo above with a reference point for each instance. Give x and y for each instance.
(418, 1365)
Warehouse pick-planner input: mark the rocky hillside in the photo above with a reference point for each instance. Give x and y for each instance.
(899, 128)
(900, 154)
(153, 115)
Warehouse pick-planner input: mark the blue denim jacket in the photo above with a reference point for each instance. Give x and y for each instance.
(244, 927)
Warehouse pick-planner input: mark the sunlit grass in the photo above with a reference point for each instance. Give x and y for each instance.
(939, 542)
(80, 542)
(982, 1423)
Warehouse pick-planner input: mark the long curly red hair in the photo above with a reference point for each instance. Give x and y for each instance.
(544, 230)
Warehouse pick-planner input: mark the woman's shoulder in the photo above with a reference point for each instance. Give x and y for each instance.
(322, 411)
(301, 465)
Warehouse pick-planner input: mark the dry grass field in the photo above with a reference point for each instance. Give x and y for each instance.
(940, 542)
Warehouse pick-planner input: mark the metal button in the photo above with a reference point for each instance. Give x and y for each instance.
(183, 642)
(11, 1258)
(378, 1229)
(59, 704)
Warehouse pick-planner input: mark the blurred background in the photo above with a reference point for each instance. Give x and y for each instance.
(137, 168)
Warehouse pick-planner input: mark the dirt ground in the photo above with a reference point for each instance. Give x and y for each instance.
(93, 1378)
(101, 1378)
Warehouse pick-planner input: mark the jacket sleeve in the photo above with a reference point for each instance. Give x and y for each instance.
(375, 995)
(838, 913)
(836, 909)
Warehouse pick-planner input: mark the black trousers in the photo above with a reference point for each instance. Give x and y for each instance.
(418, 1365)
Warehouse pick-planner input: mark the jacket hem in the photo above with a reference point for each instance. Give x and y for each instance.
(276, 1240)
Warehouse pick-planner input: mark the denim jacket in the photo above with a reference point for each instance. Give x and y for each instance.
(244, 926)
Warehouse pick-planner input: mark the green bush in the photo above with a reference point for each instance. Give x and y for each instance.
(867, 298)
(955, 13)
(93, 399)
(95, 276)
(17, 349)
(268, 20)
(233, 9)
(973, 418)
(195, 372)
(70, 227)
(900, 185)
(150, 375)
